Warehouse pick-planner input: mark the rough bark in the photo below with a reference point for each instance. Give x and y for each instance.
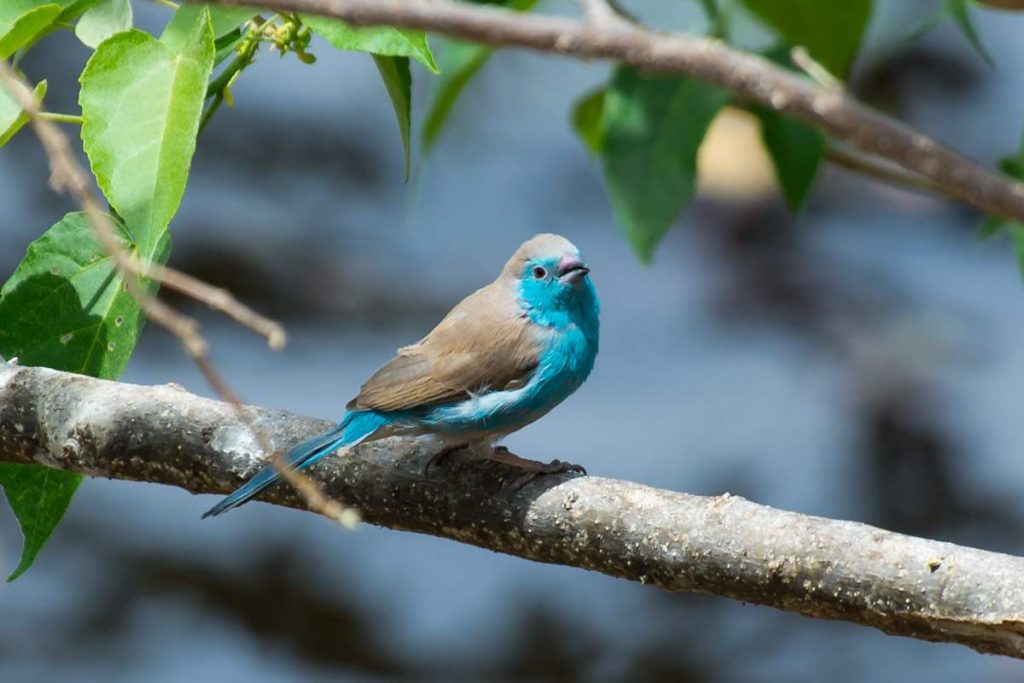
(721, 545)
(753, 78)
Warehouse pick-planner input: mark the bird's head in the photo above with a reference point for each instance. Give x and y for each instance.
(552, 277)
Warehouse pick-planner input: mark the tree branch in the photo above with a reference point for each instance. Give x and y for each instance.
(721, 545)
(1004, 4)
(750, 76)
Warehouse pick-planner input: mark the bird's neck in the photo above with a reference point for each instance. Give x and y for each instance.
(579, 310)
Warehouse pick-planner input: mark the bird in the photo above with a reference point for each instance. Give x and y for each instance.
(502, 358)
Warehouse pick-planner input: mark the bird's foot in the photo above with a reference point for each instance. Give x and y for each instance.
(534, 468)
(436, 458)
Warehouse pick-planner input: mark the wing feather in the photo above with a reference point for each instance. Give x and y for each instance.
(483, 344)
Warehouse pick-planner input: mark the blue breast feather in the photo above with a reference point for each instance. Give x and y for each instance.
(568, 337)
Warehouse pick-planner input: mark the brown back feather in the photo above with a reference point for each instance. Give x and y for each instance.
(484, 343)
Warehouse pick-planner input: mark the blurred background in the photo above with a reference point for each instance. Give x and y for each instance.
(862, 361)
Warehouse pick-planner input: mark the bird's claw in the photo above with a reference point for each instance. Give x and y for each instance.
(559, 467)
(553, 467)
(436, 459)
(531, 468)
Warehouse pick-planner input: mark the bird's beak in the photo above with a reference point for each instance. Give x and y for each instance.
(571, 269)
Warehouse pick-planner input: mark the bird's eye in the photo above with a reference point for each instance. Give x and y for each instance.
(540, 273)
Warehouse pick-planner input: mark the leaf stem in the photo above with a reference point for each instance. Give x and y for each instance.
(879, 169)
(167, 3)
(210, 110)
(218, 86)
(223, 80)
(75, 119)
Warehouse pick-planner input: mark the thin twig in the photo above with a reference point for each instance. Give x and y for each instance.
(218, 299)
(802, 58)
(67, 174)
(601, 13)
(879, 170)
(832, 111)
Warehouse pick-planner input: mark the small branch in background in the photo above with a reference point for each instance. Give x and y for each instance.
(602, 13)
(720, 545)
(802, 58)
(879, 170)
(67, 174)
(218, 299)
(753, 78)
(1016, 5)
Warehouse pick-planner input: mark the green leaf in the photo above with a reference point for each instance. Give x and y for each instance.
(719, 19)
(460, 61)
(795, 149)
(223, 19)
(796, 152)
(391, 49)
(227, 43)
(226, 23)
(22, 20)
(12, 117)
(66, 308)
(653, 127)
(961, 16)
(75, 8)
(23, 23)
(398, 81)
(141, 103)
(990, 227)
(958, 12)
(378, 40)
(831, 31)
(1017, 234)
(1012, 166)
(103, 20)
(226, 19)
(586, 120)
(39, 496)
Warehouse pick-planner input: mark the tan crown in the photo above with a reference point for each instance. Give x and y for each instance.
(544, 245)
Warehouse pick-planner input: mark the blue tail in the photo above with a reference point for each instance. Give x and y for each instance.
(355, 427)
